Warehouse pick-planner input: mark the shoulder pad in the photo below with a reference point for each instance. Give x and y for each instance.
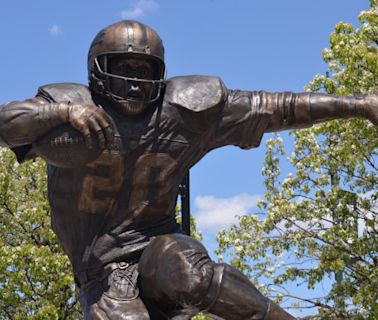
(195, 93)
(72, 92)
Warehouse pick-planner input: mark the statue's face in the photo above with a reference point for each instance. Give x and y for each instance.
(134, 93)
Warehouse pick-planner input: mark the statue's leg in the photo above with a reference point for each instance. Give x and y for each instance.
(113, 294)
(238, 298)
(177, 275)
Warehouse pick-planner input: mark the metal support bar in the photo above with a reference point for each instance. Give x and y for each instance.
(185, 204)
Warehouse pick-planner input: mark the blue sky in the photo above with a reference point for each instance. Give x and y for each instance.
(251, 44)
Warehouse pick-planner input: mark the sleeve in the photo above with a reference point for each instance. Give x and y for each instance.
(18, 121)
(243, 120)
(23, 122)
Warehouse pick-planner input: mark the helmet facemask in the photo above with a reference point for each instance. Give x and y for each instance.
(131, 81)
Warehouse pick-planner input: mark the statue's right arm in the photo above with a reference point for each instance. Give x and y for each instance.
(22, 123)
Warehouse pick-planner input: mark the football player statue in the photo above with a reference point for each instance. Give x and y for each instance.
(115, 216)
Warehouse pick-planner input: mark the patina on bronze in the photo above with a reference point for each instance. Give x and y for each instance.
(115, 217)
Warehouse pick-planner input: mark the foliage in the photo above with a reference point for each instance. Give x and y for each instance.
(35, 276)
(321, 221)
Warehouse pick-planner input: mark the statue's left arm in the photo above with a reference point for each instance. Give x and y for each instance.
(293, 111)
(235, 117)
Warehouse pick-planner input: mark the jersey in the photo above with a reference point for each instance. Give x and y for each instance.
(110, 209)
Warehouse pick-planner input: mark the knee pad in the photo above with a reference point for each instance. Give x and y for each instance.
(175, 268)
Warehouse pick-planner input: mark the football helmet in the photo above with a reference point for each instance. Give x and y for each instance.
(126, 65)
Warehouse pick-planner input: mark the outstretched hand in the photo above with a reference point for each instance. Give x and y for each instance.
(88, 118)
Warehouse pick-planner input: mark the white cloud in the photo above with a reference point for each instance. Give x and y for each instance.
(215, 213)
(141, 8)
(55, 31)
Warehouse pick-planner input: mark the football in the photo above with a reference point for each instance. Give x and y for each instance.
(65, 147)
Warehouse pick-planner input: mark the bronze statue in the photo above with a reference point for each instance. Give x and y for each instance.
(115, 216)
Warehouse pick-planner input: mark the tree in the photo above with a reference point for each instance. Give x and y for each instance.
(321, 222)
(35, 275)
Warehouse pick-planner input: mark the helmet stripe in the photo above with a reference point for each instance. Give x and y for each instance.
(143, 39)
(130, 33)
